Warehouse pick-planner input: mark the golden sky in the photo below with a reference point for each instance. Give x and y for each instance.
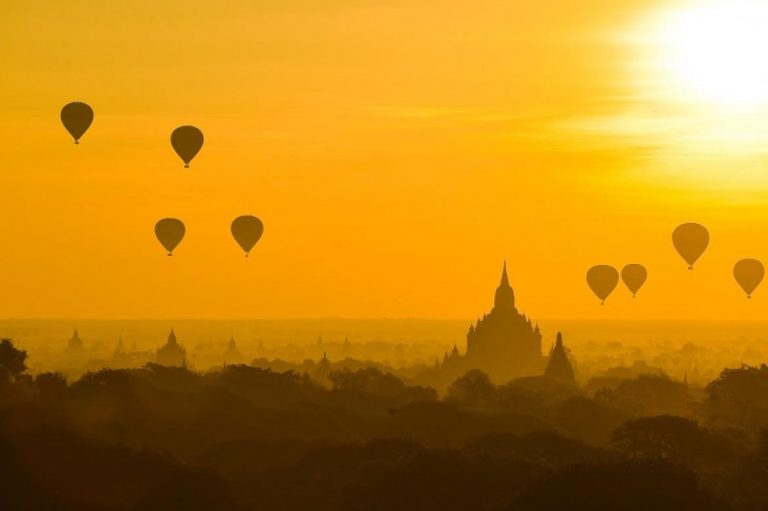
(396, 152)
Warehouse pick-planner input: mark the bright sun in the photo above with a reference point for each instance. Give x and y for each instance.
(718, 51)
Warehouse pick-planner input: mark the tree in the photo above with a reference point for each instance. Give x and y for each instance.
(12, 362)
(674, 439)
(475, 386)
(373, 388)
(619, 486)
(51, 385)
(739, 397)
(588, 420)
(649, 395)
(369, 381)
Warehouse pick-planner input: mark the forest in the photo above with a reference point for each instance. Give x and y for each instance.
(244, 437)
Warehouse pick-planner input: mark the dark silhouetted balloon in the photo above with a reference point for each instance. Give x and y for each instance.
(77, 118)
(749, 274)
(602, 280)
(170, 232)
(690, 241)
(187, 141)
(247, 231)
(634, 276)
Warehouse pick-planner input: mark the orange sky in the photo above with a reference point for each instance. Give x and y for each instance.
(396, 151)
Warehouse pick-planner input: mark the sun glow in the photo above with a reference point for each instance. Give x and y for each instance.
(717, 51)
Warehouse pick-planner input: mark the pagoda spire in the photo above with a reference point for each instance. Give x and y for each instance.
(119, 348)
(75, 343)
(559, 367)
(504, 277)
(505, 296)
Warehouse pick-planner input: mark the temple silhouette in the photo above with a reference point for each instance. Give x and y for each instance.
(559, 367)
(172, 353)
(75, 344)
(232, 355)
(504, 342)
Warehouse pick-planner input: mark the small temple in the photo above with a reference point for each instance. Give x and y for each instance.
(119, 348)
(232, 355)
(75, 343)
(323, 369)
(559, 367)
(171, 353)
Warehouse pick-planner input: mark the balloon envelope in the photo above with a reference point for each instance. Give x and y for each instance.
(247, 231)
(634, 276)
(170, 232)
(749, 274)
(602, 280)
(690, 241)
(76, 118)
(187, 142)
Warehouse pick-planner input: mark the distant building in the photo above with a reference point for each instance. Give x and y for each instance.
(75, 343)
(119, 348)
(172, 353)
(122, 358)
(232, 355)
(504, 343)
(559, 367)
(322, 369)
(453, 357)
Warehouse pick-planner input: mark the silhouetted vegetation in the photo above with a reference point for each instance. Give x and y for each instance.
(244, 437)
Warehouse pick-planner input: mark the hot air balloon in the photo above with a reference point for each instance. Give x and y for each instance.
(76, 118)
(187, 141)
(170, 232)
(602, 280)
(634, 276)
(749, 273)
(690, 241)
(247, 231)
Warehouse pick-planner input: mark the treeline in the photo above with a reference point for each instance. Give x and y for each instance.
(250, 438)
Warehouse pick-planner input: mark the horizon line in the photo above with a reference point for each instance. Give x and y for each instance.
(385, 318)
